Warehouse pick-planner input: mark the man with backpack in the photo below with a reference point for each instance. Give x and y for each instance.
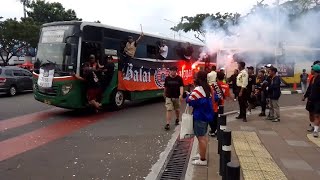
(304, 80)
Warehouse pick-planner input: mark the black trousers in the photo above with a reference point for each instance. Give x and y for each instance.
(243, 104)
(263, 102)
(213, 124)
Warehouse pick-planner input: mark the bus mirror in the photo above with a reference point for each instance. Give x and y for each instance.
(68, 49)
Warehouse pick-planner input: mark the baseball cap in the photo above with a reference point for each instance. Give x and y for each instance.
(273, 69)
(316, 68)
(173, 68)
(250, 67)
(268, 66)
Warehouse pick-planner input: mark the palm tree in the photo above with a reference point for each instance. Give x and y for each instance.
(24, 3)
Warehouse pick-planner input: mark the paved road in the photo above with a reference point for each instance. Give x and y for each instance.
(19, 105)
(61, 144)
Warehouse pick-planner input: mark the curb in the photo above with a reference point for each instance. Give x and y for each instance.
(291, 92)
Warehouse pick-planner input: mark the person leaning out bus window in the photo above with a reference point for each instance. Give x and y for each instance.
(92, 82)
(131, 46)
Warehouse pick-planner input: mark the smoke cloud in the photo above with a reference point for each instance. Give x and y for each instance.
(259, 32)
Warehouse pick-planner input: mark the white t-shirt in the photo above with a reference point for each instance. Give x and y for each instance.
(164, 50)
(212, 77)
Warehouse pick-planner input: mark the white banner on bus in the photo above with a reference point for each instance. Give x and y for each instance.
(54, 36)
(45, 78)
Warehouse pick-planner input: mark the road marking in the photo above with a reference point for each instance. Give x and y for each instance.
(25, 142)
(255, 160)
(27, 119)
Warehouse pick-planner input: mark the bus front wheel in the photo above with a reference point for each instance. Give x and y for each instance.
(118, 99)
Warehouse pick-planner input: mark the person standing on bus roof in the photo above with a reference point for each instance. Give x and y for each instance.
(173, 93)
(163, 50)
(131, 46)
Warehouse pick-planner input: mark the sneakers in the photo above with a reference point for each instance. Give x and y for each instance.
(262, 114)
(198, 162)
(310, 129)
(249, 113)
(177, 122)
(212, 134)
(315, 134)
(196, 157)
(276, 120)
(270, 118)
(167, 127)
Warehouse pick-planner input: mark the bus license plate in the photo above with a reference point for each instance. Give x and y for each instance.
(47, 102)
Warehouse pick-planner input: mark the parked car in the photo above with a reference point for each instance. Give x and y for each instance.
(14, 80)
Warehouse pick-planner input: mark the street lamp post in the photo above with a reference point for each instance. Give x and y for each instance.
(278, 47)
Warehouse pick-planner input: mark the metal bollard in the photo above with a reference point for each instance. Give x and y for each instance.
(225, 155)
(221, 109)
(233, 171)
(222, 126)
(220, 112)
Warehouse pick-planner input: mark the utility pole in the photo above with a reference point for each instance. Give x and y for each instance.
(278, 47)
(174, 23)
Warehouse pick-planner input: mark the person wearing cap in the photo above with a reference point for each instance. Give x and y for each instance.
(251, 89)
(314, 99)
(173, 93)
(307, 95)
(304, 80)
(242, 83)
(131, 46)
(261, 86)
(212, 76)
(274, 93)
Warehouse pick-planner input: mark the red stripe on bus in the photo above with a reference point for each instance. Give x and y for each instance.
(58, 78)
(23, 143)
(27, 119)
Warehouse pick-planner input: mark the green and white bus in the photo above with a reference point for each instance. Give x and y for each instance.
(65, 46)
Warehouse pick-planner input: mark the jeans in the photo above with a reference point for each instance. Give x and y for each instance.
(303, 87)
(274, 108)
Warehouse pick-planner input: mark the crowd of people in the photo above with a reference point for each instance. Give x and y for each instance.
(211, 90)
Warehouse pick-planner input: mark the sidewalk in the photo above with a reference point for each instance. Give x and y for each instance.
(267, 150)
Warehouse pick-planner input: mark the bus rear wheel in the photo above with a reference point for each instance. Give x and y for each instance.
(118, 99)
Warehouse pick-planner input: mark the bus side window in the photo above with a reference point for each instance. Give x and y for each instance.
(151, 51)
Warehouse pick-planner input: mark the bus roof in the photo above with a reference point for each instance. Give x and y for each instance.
(290, 48)
(85, 23)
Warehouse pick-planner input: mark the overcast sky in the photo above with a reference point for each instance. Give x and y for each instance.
(130, 14)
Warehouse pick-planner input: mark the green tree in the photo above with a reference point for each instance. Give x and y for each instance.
(16, 35)
(216, 21)
(44, 12)
(25, 4)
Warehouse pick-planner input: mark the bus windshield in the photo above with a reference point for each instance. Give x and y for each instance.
(58, 46)
(51, 53)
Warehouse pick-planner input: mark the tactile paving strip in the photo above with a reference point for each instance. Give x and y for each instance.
(255, 161)
(314, 140)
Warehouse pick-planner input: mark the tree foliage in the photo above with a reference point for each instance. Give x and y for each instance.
(44, 12)
(16, 35)
(214, 21)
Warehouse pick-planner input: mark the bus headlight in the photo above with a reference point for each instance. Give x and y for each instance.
(66, 89)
